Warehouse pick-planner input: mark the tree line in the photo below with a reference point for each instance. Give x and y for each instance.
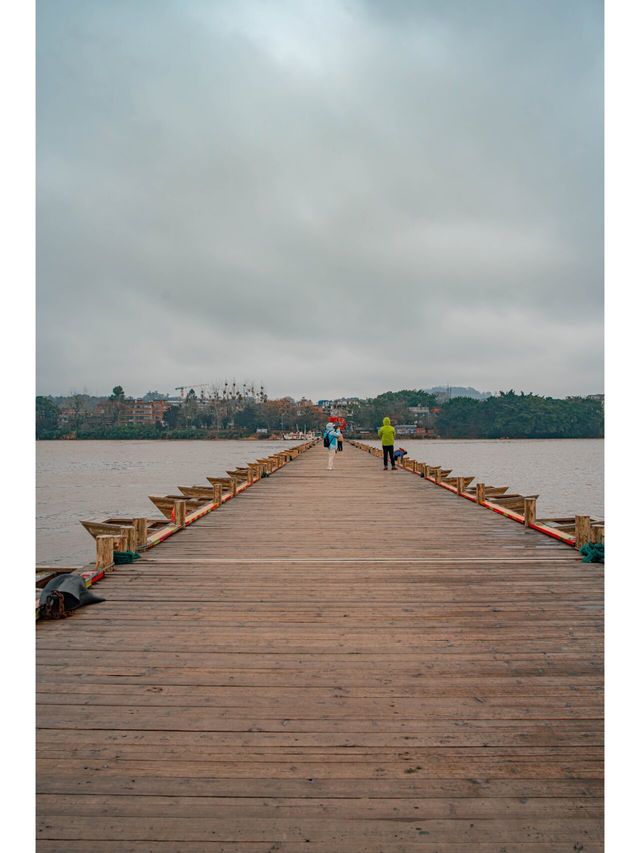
(511, 415)
(506, 415)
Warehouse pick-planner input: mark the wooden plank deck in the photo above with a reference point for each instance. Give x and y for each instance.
(350, 661)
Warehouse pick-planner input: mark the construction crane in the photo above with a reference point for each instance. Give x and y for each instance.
(182, 388)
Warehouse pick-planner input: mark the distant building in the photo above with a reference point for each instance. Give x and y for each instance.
(341, 407)
(128, 412)
(146, 412)
(406, 429)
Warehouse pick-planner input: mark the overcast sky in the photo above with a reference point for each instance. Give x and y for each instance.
(328, 196)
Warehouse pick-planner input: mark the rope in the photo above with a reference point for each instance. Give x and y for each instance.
(593, 552)
(121, 557)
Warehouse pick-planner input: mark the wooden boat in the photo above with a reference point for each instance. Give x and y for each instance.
(513, 502)
(567, 524)
(101, 528)
(112, 526)
(489, 490)
(46, 573)
(166, 503)
(453, 481)
(198, 491)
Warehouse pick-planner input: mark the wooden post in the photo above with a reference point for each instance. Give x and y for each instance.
(597, 533)
(140, 528)
(217, 493)
(460, 485)
(529, 511)
(128, 538)
(480, 494)
(180, 513)
(104, 551)
(583, 530)
(438, 473)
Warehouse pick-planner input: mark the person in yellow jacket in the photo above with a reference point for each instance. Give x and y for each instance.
(387, 435)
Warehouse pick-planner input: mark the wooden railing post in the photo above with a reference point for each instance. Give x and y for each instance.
(583, 530)
(438, 474)
(480, 493)
(217, 493)
(128, 538)
(104, 551)
(180, 513)
(140, 528)
(529, 511)
(460, 485)
(597, 532)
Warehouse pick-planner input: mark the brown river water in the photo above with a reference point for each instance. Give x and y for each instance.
(95, 479)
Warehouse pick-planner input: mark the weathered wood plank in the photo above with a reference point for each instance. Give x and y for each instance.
(408, 671)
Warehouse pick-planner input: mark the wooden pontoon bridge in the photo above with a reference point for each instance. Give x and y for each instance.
(344, 661)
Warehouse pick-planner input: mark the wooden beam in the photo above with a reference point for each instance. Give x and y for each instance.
(529, 511)
(104, 551)
(128, 537)
(583, 530)
(140, 526)
(180, 513)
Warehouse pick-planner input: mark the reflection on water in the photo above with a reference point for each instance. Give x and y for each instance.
(567, 474)
(95, 479)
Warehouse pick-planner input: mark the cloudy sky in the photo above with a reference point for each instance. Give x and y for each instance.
(328, 196)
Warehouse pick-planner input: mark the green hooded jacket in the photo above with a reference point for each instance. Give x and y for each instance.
(387, 433)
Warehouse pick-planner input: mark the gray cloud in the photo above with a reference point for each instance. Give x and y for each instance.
(335, 197)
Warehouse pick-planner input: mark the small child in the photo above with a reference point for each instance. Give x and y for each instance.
(399, 453)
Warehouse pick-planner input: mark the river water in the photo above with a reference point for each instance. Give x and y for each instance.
(95, 479)
(567, 474)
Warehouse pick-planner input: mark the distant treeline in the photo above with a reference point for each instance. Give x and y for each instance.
(511, 415)
(506, 415)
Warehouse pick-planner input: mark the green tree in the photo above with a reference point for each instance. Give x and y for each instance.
(47, 414)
